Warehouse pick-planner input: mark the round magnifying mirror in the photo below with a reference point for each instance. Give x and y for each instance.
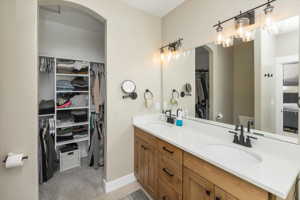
(128, 86)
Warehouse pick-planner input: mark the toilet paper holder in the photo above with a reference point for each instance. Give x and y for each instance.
(23, 158)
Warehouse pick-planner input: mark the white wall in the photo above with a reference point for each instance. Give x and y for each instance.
(265, 112)
(287, 44)
(176, 73)
(18, 102)
(66, 41)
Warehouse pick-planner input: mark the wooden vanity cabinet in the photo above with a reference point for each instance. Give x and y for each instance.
(168, 173)
(222, 195)
(195, 187)
(145, 164)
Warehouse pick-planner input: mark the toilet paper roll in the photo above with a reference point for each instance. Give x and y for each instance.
(14, 160)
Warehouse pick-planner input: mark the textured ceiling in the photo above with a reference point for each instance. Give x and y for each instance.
(155, 7)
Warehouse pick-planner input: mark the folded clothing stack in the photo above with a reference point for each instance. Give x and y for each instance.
(65, 117)
(46, 107)
(74, 100)
(80, 83)
(71, 66)
(80, 100)
(79, 116)
(65, 66)
(66, 134)
(81, 67)
(80, 131)
(64, 85)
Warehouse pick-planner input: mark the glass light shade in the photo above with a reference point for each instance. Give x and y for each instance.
(220, 38)
(162, 56)
(240, 31)
(241, 24)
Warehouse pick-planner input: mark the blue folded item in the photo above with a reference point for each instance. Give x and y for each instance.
(64, 85)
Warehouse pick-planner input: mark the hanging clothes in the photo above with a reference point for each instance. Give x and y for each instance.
(46, 64)
(98, 85)
(95, 154)
(47, 154)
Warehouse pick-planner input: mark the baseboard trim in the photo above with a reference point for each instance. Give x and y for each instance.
(110, 186)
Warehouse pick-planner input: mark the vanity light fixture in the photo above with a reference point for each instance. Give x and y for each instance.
(242, 25)
(268, 16)
(171, 50)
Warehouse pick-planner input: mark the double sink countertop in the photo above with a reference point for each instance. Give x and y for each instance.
(270, 164)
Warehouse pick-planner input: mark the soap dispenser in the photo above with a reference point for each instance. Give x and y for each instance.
(179, 119)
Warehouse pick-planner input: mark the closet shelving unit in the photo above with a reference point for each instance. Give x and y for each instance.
(58, 110)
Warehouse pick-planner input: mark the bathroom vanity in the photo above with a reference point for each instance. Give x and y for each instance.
(200, 162)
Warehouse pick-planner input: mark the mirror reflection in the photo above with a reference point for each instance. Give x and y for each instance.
(252, 83)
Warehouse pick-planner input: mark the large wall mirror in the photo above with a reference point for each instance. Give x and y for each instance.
(252, 83)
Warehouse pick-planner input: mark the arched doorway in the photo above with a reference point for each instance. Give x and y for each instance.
(203, 77)
(74, 36)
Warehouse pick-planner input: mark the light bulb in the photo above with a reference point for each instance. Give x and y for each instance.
(241, 23)
(162, 56)
(269, 20)
(220, 37)
(247, 36)
(240, 32)
(169, 55)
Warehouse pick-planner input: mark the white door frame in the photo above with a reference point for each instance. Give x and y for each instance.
(280, 61)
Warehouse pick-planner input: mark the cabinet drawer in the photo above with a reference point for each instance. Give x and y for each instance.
(165, 192)
(151, 140)
(228, 182)
(171, 172)
(222, 195)
(170, 151)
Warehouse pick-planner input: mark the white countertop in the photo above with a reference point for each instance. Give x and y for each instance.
(276, 173)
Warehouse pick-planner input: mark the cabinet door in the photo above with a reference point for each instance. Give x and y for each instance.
(136, 158)
(150, 165)
(195, 187)
(166, 192)
(222, 195)
(141, 165)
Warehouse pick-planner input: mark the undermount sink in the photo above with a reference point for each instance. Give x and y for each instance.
(232, 156)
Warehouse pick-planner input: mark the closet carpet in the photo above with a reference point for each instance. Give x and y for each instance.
(84, 183)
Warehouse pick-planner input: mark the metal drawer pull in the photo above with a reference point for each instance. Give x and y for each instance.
(167, 150)
(167, 172)
(208, 192)
(218, 198)
(145, 148)
(164, 198)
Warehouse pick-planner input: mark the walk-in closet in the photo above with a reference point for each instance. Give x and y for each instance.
(72, 103)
